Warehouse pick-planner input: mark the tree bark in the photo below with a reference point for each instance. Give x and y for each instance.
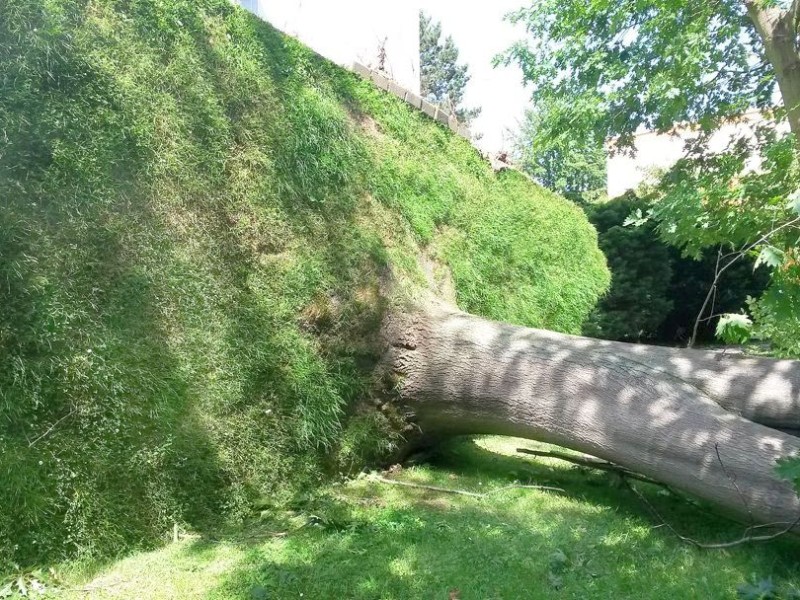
(649, 409)
(778, 30)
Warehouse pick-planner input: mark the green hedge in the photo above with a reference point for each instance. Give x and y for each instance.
(656, 293)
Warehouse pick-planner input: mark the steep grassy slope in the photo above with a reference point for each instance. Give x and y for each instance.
(196, 213)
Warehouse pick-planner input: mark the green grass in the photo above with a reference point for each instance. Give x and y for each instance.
(371, 540)
(195, 217)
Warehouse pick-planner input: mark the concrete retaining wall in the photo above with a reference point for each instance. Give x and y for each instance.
(434, 112)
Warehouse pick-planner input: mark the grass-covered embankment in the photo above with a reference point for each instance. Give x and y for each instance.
(196, 214)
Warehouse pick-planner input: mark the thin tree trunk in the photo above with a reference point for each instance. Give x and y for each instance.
(778, 30)
(647, 409)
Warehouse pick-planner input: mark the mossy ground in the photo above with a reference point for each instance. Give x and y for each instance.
(365, 539)
(196, 213)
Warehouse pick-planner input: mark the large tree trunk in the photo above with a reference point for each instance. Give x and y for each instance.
(652, 410)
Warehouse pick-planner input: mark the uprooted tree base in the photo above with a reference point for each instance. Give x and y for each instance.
(691, 419)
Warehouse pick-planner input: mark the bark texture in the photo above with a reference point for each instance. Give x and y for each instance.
(779, 31)
(656, 411)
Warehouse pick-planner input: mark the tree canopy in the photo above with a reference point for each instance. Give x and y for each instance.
(631, 64)
(570, 162)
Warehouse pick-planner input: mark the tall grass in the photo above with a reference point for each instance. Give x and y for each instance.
(195, 215)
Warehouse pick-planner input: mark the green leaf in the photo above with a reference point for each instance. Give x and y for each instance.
(789, 468)
(637, 219)
(770, 256)
(734, 328)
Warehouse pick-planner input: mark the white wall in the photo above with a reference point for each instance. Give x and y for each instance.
(346, 31)
(659, 151)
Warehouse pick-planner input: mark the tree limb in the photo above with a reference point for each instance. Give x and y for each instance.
(443, 490)
(745, 539)
(718, 271)
(592, 463)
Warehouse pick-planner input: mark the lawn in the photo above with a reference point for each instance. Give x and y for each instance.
(368, 539)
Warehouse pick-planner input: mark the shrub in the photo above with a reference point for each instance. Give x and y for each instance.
(656, 293)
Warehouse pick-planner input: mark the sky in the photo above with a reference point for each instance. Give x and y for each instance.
(478, 29)
(480, 33)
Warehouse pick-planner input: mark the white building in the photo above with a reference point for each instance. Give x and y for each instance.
(656, 152)
(348, 31)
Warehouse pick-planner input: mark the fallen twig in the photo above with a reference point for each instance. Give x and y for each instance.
(745, 539)
(592, 463)
(520, 486)
(435, 488)
(53, 426)
(431, 488)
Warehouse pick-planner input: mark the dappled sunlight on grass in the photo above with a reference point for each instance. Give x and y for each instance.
(369, 539)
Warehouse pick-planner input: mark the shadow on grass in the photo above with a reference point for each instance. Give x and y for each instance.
(594, 541)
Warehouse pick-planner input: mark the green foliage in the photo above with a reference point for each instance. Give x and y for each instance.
(700, 199)
(442, 79)
(196, 215)
(513, 260)
(628, 65)
(789, 469)
(776, 315)
(655, 293)
(641, 272)
(566, 159)
(619, 67)
(699, 206)
(734, 328)
(371, 540)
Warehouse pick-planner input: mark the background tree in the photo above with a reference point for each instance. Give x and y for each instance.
(569, 161)
(443, 81)
(641, 271)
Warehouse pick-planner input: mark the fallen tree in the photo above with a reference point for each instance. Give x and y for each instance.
(677, 416)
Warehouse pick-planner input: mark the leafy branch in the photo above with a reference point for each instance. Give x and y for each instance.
(730, 259)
